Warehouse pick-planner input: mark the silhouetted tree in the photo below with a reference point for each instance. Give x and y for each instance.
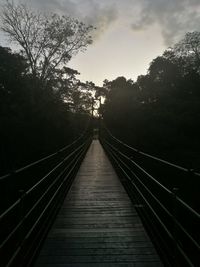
(189, 49)
(48, 42)
(14, 102)
(25, 125)
(160, 112)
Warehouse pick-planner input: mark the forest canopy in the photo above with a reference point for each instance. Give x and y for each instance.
(160, 112)
(43, 105)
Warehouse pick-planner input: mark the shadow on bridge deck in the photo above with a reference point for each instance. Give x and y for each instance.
(97, 224)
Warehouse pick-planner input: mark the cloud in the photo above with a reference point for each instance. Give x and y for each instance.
(100, 14)
(174, 17)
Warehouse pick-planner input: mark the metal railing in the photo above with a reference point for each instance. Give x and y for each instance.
(172, 224)
(39, 190)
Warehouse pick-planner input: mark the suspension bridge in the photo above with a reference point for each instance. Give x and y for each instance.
(94, 203)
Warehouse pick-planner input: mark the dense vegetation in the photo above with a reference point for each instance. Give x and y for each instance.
(31, 129)
(160, 112)
(43, 105)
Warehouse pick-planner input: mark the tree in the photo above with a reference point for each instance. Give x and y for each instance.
(47, 41)
(120, 100)
(147, 89)
(14, 102)
(24, 125)
(189, 49)
(164, 76)
(13, 68)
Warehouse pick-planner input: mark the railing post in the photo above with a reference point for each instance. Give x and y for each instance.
(174, 230)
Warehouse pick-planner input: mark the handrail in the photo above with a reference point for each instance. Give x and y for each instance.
(146, 154)
(43, 159)
(156, 199)
(158, 183)
(67, 157)
(147, 203)
(139, 167)
(40, 181)
(20, 221)
(39, 200)
(152, 209)
(163, 207)
(149, 176)
(184, 204)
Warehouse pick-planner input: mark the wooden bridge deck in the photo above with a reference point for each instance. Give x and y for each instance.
(97, 224)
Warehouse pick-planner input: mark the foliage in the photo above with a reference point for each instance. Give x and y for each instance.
(43, 105)
(48, 41)
(189, 49)
(160, 112)
(32, 129)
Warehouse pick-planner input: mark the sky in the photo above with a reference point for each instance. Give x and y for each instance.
(129, 33)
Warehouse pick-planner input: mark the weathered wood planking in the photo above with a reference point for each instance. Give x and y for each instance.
(97, 224)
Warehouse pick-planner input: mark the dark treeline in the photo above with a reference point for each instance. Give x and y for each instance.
(37, 120)
(43, 106)
(160, 112)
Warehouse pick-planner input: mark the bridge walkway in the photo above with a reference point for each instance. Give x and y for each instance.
(97, 224)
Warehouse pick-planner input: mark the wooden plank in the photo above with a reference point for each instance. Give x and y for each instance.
(53, 246)
(116, 239)
(99, 251)
(97, 224)
(95, 259)
(110, 264)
